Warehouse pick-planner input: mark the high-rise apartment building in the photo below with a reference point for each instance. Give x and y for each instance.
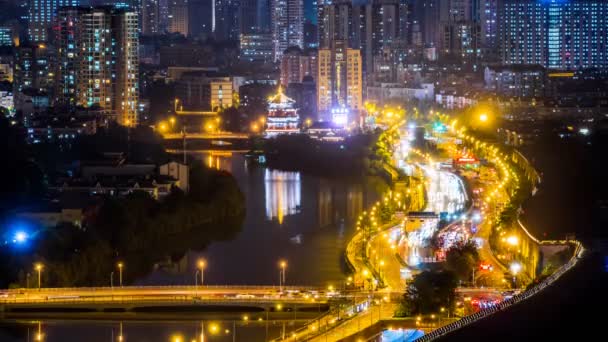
(248, 19)
(459, 33)
(68, 40)
(150, 17)
(32, 67)
(41, 14)
(227, 20)
(488, 18)
(555, 34)
(368, 27)
(296, 64)
(200, 17)
(178, 17)
(424, 23)
(98, 64)
(339, 81)
(263, 16)
(6, 36)
(287, 24)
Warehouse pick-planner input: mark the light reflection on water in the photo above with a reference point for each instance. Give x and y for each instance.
(303, 219)
(282, 192)
(140, 331)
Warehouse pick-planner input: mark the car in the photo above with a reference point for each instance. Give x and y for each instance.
(244, 296)
(485, 266)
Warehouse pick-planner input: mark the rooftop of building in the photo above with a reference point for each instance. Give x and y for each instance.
(516, 67)
(280, 98)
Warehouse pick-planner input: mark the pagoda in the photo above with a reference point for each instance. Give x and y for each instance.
(283, 117)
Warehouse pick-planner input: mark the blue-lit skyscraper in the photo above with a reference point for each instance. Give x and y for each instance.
(557, 34)
(41, 14)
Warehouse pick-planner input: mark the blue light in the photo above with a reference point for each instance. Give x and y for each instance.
(20, 237)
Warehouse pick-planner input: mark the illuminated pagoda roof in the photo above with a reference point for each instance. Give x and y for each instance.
(281, 100)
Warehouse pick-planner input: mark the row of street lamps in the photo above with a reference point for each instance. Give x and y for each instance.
(201, 264)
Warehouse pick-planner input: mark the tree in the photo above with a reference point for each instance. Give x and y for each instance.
(23, 178)
(461, 259)
(428, 293)
(232, 120)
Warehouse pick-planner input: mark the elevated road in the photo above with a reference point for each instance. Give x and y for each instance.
(128, 297)
(207, 136)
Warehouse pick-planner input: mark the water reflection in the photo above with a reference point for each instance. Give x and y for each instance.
(303, 219)
(249, 328)
(282, 193)
(325, 205)
(354, 201)
(219, 161)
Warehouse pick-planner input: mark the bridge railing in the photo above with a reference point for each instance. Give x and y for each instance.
(324, 323)
(468, 320)
(172, 287)
(109, 299)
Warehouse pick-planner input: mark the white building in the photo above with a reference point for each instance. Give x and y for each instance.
(394, 91)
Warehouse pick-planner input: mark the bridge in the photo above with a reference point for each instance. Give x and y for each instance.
(207, 136)
(133, 298)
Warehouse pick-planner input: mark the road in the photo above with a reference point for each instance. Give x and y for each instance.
(218, 135)
(362, 321)
(164, 293)
(445, 194)
(445, 191)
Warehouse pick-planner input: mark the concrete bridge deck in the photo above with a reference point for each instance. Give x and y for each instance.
(265, 297)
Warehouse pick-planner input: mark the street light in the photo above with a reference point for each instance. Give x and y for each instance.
(515, 268)
(201, 264)
(38, 268)
(120, 266)
(512, 240)
(483, 117)
(214, 328)
(282, 267)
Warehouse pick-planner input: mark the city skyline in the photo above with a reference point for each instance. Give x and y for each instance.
(303, 170)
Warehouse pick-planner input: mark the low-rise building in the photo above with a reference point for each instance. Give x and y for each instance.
(516, 80)
(327, 131)
(156, 186)
(454, 100)
(395, 91)
(256, 47)
(48, 128)
(52, 215)
(6, 100)
(202, 91)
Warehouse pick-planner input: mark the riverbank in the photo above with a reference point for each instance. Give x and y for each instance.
(355, 157)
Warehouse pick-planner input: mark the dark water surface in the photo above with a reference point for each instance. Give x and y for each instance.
(302, 219)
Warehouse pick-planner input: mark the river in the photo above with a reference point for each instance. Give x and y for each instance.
(302, 219)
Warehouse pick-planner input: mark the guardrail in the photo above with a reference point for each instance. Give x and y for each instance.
(173, 287)
(313, 328)
(110, 299)
(468, 320)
